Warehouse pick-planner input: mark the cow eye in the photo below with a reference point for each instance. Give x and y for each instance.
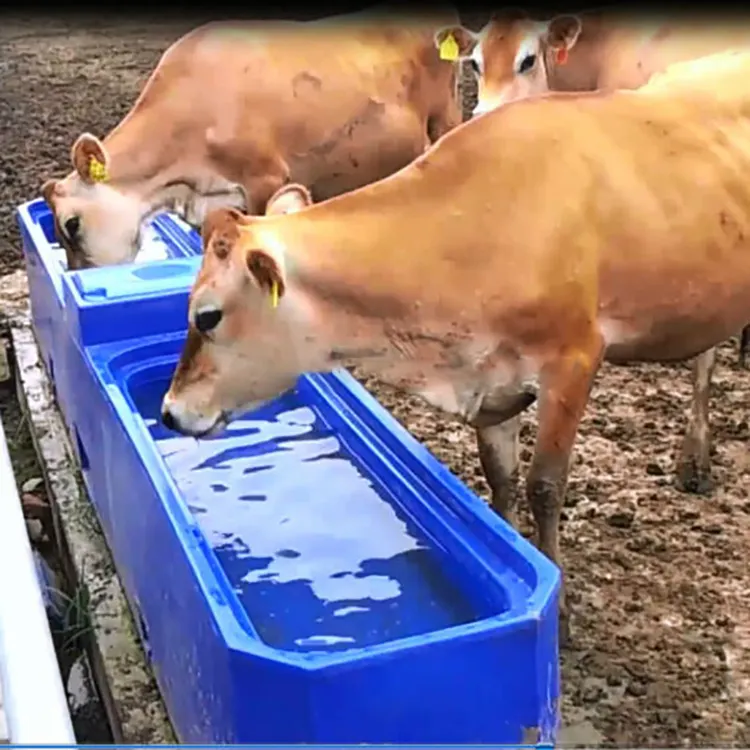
(72, 226)
(527, 63)
(207, 320)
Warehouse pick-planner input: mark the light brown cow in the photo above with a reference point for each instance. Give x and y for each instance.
(234, 110)
(514, 57)
(446, 278)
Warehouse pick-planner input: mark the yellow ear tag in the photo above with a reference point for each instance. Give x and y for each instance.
(97, 170)
(275, 294)
(449, 48)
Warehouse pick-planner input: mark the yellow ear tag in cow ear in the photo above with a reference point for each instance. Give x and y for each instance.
(449, 48)
(97, 170)
(275, 294)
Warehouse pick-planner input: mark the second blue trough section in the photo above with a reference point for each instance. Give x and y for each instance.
(311, 575)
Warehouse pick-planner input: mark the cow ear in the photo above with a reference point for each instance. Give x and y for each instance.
(563, 32)
(455, 42)
(90, 158)
(289, 199)
(49, 190)
(267, 272)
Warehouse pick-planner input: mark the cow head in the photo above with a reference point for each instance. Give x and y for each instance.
(246, 340)
(511, 53)
(97, 224)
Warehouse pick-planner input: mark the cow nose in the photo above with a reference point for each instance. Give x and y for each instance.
(168, 419)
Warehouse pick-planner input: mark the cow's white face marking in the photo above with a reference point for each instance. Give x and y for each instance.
(527, 56)
(476, 58)
(528, 76)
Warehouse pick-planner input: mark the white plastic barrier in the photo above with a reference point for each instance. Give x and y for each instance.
(33, 696)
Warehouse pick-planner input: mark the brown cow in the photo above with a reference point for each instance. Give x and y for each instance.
(641, 252)
(234, 110)
(514, 57)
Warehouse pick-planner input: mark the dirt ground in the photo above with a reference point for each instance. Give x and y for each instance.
(657, 579)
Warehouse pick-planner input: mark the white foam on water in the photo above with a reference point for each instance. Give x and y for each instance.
(343, 611)
(152, 246)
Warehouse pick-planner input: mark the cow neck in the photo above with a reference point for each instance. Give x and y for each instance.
(328, 263)
(155, 176)
(134, 158)
(342, 242)
(344, 265)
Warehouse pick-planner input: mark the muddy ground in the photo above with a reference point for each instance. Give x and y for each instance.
(658, 580)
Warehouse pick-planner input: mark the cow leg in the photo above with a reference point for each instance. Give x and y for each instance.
(694, 465)
(498, 455)
(565, 388)
(498, 424)
(744, 346)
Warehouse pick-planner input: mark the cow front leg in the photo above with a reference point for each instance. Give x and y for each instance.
(498, 424)
(498, 455)
(565, 387)
(694, 464)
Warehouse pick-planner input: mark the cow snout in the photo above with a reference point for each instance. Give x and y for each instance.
(168, 419)
(171, 417)
(178, 417)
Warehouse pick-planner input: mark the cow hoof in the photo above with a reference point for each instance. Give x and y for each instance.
(694, 479)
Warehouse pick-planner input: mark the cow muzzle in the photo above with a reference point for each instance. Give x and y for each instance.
(177, 418)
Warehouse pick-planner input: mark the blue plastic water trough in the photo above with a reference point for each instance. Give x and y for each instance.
(312, 575)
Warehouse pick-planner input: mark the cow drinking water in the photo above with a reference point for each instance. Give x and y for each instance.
(234, 110)
(447, 280)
